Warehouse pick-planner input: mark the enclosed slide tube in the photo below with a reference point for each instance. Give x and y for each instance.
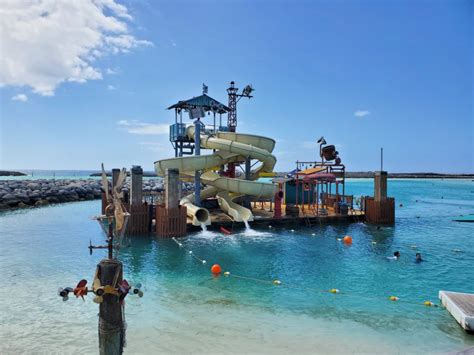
(229, 148)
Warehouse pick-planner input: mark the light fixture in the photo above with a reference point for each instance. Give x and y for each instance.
(247, 90)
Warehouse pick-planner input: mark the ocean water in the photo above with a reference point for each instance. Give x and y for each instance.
(185, 309)
(34, 174)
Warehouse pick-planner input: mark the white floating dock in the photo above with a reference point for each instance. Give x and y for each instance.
(461, 307)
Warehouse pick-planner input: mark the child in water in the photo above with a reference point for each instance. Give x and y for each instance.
(396, 256)
(418, 258)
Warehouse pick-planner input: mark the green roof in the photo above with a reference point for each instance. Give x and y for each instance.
(204, 101)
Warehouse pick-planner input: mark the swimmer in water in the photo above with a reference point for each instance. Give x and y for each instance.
(396, 256)
(418, 258)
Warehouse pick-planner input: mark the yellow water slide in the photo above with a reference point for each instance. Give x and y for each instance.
(229, 148)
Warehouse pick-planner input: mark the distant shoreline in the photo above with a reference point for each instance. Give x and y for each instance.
(349, 174)
(362, 175)
(370, 174)
(11, 173)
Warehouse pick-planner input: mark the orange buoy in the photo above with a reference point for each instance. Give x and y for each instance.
(216, 269)
(348, 239)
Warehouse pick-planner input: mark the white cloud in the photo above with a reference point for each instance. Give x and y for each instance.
(20, 97)
(137, 127)
(361, 113)
(111, 87)
(48, 42)
(111, 71)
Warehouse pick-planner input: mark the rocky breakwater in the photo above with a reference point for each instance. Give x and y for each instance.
(26, 193)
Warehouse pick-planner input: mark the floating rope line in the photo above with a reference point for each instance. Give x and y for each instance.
(190, 252)
(334, 291)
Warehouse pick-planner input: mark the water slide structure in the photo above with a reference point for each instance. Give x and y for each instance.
(228, 147)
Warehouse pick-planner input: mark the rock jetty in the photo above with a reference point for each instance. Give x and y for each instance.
(40, 192)
(25, 193)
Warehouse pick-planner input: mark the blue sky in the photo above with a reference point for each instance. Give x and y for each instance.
(364, 74)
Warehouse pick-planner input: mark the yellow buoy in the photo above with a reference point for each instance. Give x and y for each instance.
(276, 282)
(393, 298)
(334, 290)
(429, 304)
(227, 273)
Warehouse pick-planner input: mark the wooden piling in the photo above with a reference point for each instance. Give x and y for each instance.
(172, 188)
(380, 209)
(111, 325)
(115, 175)
(380, 185)
(136, 182)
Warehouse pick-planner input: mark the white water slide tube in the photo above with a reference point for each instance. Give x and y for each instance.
(229, 148)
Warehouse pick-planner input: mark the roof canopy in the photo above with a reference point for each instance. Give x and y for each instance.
(204, 101)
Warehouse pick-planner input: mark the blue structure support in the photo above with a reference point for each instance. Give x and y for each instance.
(197, 174)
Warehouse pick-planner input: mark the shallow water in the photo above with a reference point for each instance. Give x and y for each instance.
(185, 309)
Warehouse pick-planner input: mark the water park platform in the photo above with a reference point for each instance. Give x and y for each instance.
(232, 176)
(461, 307)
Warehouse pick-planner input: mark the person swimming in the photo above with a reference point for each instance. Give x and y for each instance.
(396, 256)
(418, 258)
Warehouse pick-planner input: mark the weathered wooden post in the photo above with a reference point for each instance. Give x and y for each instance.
(380, 209)
(111, 325)
(115, 175)
(171, 218)
(108, 287)
(136, 182)
(380, 186)
(172, 188)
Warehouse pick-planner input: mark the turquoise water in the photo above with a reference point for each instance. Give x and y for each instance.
(185, 309)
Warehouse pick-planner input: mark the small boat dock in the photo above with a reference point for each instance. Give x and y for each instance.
(461, 307)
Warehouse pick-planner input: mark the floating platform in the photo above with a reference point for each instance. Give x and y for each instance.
(461, 307)
(466, 218)
(264, 216)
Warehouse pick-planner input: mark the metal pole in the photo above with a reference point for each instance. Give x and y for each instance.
(381, 159)
(197, 174)
(247, 177)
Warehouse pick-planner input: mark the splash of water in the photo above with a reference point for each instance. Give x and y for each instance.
(247, 225)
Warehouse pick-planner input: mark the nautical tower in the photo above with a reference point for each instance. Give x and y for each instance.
(234, 97)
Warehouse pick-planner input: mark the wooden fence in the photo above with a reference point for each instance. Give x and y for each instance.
(171, 222)
(380, 212)
(139, 220)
